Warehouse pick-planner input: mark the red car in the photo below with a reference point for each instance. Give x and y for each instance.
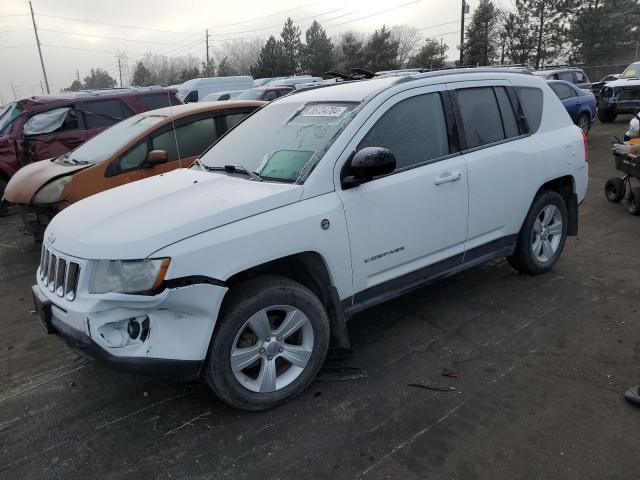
(43, 127)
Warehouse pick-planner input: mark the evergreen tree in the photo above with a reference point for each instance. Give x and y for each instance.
(208, 69)
(351, 51)
(271, 61)
(431, 55)
(99, 78)
(225, 68)
(291, 47)
(547, 25)
(317, 54)
(141, 76)
(601, 29)
(516, 40)
(381, 51)
(481, 41)
(188, 74)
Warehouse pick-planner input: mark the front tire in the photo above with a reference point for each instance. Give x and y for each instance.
(606, 115)
(270, 343)
(542, 236)
(633, 202)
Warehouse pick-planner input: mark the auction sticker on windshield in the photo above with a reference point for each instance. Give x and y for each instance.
(323, 111)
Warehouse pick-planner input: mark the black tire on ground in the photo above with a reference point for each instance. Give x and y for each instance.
(523, 258)
(584, 122)
(606, 116)
(615, 190)
(244, 300)
(633, 202)
(3, 205)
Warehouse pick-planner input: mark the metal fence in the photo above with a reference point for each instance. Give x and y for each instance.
(595, 73)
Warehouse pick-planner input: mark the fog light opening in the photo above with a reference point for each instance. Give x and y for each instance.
(131, 331)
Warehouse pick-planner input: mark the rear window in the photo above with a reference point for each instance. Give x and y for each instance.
(104, 113)
(480, 116)
(157, 100)
(531, 101)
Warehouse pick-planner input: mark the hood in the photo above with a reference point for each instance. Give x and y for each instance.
(31, 178)
(632, 82)
(134, 220)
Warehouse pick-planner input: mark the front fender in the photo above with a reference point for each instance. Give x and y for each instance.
(289, 230)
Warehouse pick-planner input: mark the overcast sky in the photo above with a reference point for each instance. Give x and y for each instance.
(177, 27)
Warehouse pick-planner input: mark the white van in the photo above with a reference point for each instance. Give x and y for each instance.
(198, 88)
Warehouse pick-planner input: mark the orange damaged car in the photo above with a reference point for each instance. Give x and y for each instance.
(141, 146)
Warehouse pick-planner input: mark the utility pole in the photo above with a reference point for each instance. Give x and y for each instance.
(120, 71)
(441, 52)
(206, 41)
(35, 29)
(464, 6)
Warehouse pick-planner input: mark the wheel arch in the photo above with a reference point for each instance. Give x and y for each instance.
(309, 269)
(566, 187)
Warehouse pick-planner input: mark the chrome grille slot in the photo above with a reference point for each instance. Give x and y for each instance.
(59, 274)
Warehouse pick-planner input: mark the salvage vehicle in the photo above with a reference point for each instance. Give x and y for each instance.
(620, 96)
(243, 269)
(197, 88)
(568, 74)
(38, 128)
(266, 94)
(144, 145)
(580, 104)
(596, 87)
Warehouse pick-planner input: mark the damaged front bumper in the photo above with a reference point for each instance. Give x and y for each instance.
(626, 100)
(164, 335)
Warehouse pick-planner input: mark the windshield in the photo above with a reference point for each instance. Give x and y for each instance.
(278, 141)
(251, 94)
(108, 142)
(632, 71)
(7, 116)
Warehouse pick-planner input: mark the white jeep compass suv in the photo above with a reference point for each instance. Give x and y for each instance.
(243, 269)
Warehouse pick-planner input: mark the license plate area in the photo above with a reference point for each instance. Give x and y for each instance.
(43, 309)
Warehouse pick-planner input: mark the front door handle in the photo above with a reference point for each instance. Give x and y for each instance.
(448, 177)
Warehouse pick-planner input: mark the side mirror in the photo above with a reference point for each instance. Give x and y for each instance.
(368, 163)
(156, 157)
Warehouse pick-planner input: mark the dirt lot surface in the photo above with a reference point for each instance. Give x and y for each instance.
(541, 363)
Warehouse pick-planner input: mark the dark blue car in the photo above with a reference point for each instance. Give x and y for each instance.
(581, 104)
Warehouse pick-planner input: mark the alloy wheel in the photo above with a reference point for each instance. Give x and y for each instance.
(547, 233)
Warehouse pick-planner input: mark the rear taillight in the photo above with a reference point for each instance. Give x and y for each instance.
(586, 146)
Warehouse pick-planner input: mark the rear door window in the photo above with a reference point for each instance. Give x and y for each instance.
(567, 77)
(104, 113)
(531, 102)
(270, 95)
(563, 91)
(414, 129)
(480, 116)
(157, 100)
(192, 139)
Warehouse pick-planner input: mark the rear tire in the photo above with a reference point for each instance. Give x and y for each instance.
(270, 343)
(584, 122)
(633, 202)
(615, 190)
(542, 236)
(606, 116)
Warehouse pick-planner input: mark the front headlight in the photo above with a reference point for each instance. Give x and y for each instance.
(52, 191)
(128, 276)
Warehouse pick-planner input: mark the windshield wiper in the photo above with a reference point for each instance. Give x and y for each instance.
(233, 169)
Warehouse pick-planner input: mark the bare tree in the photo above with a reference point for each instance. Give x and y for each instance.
(240, 54)
(164, 70)
(408, 39)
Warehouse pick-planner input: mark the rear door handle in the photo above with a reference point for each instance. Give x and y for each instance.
(448, 177)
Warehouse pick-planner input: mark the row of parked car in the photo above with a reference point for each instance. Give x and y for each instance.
(280, 220)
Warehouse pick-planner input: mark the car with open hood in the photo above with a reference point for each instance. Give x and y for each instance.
(141, 146)
(620, 96)
(242, 269)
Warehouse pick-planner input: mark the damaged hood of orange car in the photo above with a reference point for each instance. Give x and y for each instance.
(31, 178)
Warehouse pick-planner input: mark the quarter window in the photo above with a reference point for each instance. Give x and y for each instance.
(509, 121)
(157, 100)
(531, 102)
(414, 129)
(193, 139)
(581, 77)
(104, 113)
(480, 116)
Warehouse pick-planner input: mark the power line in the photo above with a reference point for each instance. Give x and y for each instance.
(19, 30)
(116, 25)
(48, 45)
(439, 25)
(104, 37)
(15, 15)
(376, 13)
(16, 46)
(261, 18)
